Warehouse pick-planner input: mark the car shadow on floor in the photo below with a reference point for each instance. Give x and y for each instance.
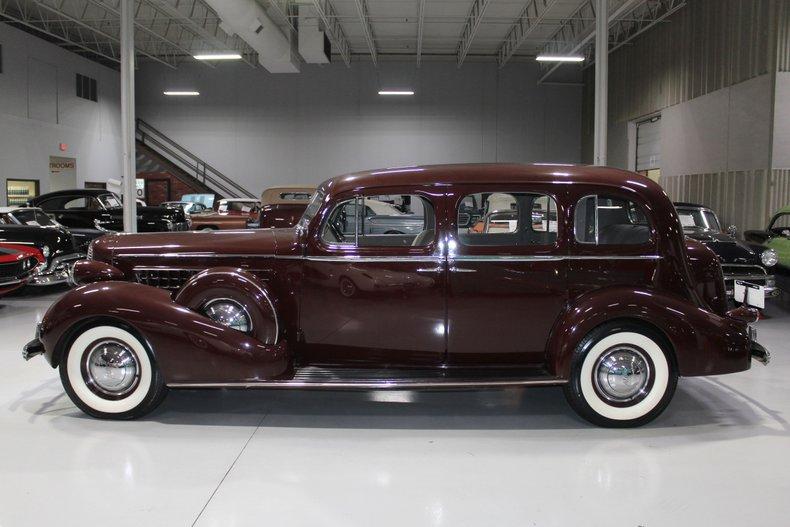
(707, 407)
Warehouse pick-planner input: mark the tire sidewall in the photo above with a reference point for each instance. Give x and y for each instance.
(143, 398)
(585, 400)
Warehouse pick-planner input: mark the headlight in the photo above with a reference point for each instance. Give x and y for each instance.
(46, 251)
(769, 258)
(228, 313)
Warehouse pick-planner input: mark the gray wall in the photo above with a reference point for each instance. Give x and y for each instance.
(39, 110)
(264, 130)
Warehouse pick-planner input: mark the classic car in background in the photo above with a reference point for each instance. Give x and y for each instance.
(232, 214)
(738, 260)
(283, 206)
(601, 303)
(18, 265)
(239, 207)
(100, 209)
(776, 237)
(31, 227)
(189, 207)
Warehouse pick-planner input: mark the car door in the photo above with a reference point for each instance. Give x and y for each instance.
(374, 299)
(506, 274)
(74, 211)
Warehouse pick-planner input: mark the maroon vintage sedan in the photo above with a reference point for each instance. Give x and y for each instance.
(584, 281)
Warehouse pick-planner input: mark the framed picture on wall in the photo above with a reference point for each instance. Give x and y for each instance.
(18, 191)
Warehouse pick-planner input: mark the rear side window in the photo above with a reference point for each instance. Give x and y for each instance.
(507, 218)
(381, 221)
(609, 220)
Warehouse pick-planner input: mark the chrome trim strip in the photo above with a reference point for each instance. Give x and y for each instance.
(416, 258)
(381, 385)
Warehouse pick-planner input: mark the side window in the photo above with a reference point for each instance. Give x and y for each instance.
(507, 219)
(381, 221)
(51, 204)
(608, 220)
(76, 204)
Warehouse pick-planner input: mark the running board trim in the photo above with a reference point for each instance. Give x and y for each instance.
(380, 385)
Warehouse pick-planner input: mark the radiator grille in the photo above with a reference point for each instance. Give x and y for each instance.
(164, 278)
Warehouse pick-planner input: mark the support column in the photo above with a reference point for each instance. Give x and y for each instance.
(127, 116)
(601, 81)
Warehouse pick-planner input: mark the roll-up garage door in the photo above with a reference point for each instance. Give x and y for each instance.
(648, 144)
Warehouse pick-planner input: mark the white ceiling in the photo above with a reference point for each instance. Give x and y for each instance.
(170, 31)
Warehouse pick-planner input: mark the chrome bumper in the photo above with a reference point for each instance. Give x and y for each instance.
(57, 272)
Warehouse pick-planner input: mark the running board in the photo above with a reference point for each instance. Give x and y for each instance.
(312, 377)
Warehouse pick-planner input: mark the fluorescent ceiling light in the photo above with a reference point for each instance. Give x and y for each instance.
(559, 58)
(396, 92)
(218, 56)
(182, 93)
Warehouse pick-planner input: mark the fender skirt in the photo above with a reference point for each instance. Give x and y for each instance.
(187, 346)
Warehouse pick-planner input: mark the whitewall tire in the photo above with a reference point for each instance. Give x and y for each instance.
(622, 375)
(109, 373)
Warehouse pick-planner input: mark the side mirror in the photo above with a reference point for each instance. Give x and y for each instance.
(732, 230)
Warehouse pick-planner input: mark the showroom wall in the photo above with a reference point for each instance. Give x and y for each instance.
(709, 72)
(264, 129)
(39, 110)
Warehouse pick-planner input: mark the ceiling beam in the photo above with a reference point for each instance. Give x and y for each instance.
(532, 15)
(420, 24)
(470, 29)
(326, 13)
(576, 31)
(637, 22)
(199, 20)
(367, 31)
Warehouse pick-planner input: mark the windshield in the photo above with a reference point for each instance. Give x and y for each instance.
(33, 217)
(781, 224)
(694, 219)
(311, 210)
(110, 201)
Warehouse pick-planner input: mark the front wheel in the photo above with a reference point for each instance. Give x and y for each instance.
(622, 375)
(109, 373)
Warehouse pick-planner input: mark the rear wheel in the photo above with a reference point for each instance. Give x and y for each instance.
(622, 375)
(109, 373)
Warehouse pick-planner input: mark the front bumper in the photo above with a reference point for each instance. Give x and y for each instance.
(750, 274)
(57, 272)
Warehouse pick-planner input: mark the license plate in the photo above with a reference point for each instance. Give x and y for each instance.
(751, 294)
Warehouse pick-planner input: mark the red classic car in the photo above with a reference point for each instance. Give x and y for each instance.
(608, 301)
(283, 206)
(18, 265)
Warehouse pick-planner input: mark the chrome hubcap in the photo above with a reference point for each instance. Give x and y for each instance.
(622, 374)
(112, 367)
(228, 313)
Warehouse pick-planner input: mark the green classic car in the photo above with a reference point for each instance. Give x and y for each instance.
(777, 237)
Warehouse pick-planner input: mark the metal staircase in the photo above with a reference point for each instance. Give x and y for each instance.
(187, 164)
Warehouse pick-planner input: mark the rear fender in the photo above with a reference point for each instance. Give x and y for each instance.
(187, 346)
(703, 342)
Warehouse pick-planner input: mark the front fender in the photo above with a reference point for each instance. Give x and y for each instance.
(85, 272)
(241, 286)
(703, 342)
(187, 346)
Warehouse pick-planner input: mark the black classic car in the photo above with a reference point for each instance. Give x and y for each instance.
(101, 209)
(32, 227)
(738, 260)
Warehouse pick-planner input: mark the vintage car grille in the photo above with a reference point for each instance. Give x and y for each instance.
(743, 272)
(163, 278)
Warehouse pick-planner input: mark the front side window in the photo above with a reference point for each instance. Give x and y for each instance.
(609, 220)
(381, 221)
(514, 218)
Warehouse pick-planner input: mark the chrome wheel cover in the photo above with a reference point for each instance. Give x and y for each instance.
(623, 375)
(111, 368)
(229, 313)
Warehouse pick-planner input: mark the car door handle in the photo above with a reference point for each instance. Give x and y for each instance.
(455, 269)
(437, 269)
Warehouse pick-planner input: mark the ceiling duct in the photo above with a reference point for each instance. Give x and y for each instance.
(248, 20)
(314, 45)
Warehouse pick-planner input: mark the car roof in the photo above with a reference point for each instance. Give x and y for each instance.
(6, 210)
(482, 173)
(79, 191)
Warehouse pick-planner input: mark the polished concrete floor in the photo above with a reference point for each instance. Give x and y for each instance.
(720, 455)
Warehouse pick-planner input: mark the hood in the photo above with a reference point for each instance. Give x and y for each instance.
(57, 239)
(727, 249)
(187, 244)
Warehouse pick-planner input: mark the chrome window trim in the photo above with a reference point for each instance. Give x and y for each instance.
(405, 258)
